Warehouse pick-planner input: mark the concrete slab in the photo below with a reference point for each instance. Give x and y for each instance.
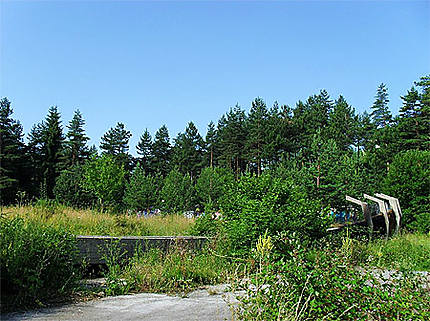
(210, 303)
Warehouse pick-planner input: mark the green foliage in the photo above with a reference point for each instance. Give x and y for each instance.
(256, 144)
(211, 185)
(144, 150)
(142, 191)
(46, 149)
(254, 205)
(408, 180)
(188, 151)
(179, 270)
(232, 133)
(104, 178)
(115, 143)
(177, 193)
(69, 188)
(407, 252)
(76, 149)
(324, 286)
(11, 154)
(161, 152)
(381, 115)
(37, 262)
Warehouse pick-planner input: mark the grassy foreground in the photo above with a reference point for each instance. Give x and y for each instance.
(283, 278)
(93, 222)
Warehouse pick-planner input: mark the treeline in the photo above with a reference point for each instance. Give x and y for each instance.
(331, 149)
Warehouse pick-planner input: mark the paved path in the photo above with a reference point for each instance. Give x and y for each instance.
(205, 304)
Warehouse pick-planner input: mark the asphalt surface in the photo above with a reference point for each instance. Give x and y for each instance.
(211, 303)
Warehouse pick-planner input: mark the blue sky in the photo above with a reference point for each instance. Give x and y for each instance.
(152, 63)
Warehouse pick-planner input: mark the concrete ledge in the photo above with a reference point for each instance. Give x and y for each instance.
(93, 248)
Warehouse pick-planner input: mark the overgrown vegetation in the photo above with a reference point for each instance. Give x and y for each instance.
(179, 271)
(37, 262)
(326, 284)
(262, 183)
(94, 222)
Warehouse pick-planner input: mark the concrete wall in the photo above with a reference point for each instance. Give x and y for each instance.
(92, 249)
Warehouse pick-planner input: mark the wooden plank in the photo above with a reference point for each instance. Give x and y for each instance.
(382, 209)
(395, 205)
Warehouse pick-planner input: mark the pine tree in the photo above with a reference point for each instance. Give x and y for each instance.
(144, 150)
(188, 151)
(46, 152)
(414, 120)
(257, 129)
(365, 132)
(232, 137)
(115, 143)
(210, 141)
(11, 153)
(161, 151)
(342, 124)
(408, 122)
(381, 115)
(76, 147)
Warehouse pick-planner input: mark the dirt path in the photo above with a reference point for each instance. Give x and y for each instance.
(205, 304)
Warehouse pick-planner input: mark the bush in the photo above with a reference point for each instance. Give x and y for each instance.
(37, 262)
(68, 188)
(254, 205)
(304, 286)
(408, 179)
(211, 185)
(178, 192)
(105, 179)
(141, 192)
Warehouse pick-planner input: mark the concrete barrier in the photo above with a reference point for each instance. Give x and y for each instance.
(93, 249)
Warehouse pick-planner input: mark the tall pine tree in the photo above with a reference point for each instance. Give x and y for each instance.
(210, 143)
(11, 153)
(161, 151)
(343, 124)
(232, 137)
(381, 115)
(115, 143)
(144, 150)
(188, 151)
(76, 140)
(414, 120)
(257, 138)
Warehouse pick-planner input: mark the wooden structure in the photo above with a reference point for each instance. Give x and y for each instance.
(388, 217)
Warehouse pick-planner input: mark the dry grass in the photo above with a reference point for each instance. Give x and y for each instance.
(92, 222)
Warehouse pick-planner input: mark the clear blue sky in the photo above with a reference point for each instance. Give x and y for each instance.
(150, 63)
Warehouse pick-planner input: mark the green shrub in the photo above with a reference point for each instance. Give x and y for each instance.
(178, 192)
(303, 286)
(211, 185)
(105, 179)
(253, 205)
(68, 188)
(37, 262)
(408, 179)
(142, 190)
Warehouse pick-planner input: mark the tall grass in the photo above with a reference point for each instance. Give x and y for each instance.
(406, 252)
(93, 222)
